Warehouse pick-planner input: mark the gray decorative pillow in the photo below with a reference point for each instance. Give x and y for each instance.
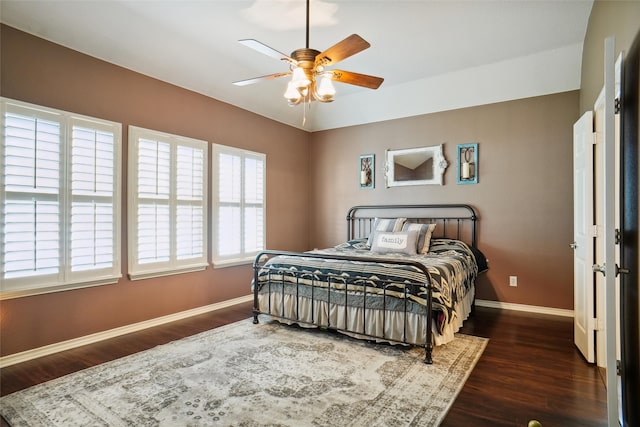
(424, 235)
(401, 242)
(387, 225)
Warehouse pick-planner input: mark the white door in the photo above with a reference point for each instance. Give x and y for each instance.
(583, 234)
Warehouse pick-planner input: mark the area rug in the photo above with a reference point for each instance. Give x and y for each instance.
(256, 375)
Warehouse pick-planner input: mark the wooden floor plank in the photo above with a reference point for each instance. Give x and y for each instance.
(529, 370)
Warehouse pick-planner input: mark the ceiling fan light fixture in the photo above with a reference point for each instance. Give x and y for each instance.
(309, 80)
(299, 78)
(292, 94)
(326, 91)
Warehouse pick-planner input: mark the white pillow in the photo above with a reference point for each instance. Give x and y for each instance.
(401, 242)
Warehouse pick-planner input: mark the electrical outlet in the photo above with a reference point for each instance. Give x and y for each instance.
(513, 281)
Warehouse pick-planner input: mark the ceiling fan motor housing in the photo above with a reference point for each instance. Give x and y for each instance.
(306, 59)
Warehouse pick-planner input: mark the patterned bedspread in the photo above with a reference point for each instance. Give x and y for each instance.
(451, 265)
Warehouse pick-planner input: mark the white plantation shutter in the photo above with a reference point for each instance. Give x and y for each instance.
(31, 200)
(32, 238)
(168, 206)
(59, 198)
(239, 208)
(229, 215)
(93, 179)
(190, 239)
(153, 190)
(254, 191)
(154, 233)
(190, 200)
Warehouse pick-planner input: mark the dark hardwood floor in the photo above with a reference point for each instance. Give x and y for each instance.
(529, 370)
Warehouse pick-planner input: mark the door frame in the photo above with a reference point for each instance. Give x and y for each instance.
(630, 235)
(609, 234)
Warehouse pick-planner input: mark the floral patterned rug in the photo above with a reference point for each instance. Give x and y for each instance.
(256, 375)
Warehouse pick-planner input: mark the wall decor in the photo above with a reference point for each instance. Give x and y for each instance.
(367, 171)
(415, 166)
(467, 163)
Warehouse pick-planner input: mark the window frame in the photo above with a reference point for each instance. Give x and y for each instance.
(137, 270)
(66, 278)
(243, 257)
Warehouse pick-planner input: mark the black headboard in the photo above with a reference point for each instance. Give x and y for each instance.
(455, 221)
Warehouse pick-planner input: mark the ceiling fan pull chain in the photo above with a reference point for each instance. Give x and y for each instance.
(307, 24)
(304, 113)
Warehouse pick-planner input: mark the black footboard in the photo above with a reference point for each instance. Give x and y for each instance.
(333, 294)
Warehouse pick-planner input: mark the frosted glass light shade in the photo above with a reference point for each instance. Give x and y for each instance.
(325, 88)
(299, 78)
(292, 94)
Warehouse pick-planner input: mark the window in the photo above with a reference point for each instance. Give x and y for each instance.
(167, 204)
(238, 204)
(60, 198)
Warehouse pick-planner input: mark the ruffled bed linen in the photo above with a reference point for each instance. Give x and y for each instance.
(321, 314)
(452, 271)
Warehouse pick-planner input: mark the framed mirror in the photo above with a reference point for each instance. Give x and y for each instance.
(415, 166)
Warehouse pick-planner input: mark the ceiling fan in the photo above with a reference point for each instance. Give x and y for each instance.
(310, 80)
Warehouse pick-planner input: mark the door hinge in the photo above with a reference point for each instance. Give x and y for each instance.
(621, 270)
(617, 106)
(595, 324)
(594, 231)
(619, 368)
(597, 268)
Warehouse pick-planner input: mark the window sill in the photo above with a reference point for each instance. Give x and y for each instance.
(161, 273)
(233, 262)
(18, 293)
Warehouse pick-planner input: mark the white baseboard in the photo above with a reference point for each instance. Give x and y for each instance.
(23, 356)
(523, 307)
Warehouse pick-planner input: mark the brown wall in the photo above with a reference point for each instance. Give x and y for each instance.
(43, 73)
(620, 19)
(523, 197)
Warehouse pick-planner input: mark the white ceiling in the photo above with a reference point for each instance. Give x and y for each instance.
(433, 55)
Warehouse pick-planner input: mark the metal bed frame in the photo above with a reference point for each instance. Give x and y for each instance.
(454, 221)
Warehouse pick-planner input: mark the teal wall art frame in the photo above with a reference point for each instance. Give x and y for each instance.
(366, 172)
(467, 163)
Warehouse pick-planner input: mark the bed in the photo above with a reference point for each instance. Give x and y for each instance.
(406, 274)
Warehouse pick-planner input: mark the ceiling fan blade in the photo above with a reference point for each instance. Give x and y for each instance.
(351, 78)
(261, 79)
(269, 51)
(342, 50)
